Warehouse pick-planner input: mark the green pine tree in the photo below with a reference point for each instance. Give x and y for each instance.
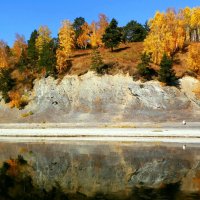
(47, 58)
(32, 51)
(23, 62)
(144, 69)
(77, 25)
(134, 32)
(112, 36)
(166, 73)
(97, 62)
(6, 83)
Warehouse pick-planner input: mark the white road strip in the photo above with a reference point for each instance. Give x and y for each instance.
(171, 135)
(101, 139)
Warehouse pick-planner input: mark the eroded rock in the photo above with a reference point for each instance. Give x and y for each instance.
(92, 98)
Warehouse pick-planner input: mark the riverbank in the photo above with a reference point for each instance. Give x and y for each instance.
(150, 124)
(144, 132)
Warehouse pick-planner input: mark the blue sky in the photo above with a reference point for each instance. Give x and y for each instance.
(23, 16)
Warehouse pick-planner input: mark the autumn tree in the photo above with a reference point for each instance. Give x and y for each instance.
(4, 57)
(112, 36)
(167, 35)
(186, 16)
(94, 39)
(19, 46)
(44, 37)
(193, 59)
(166, 72)
(102, 24)
(98, 30)
(191, 17)
(66, 44)
(195, 24)
(46, 51)
(84, 37)
(77, 26)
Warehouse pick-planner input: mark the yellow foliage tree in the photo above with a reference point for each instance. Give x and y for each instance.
(84, 37)
(191, 17)
(186, 16)
(66, 43)
(102, 25)
(94, 40)
(4, 58)
(195, 23)
(193, 59)
(167, 35)
(44, 36)
(18, 47)
(98, 30)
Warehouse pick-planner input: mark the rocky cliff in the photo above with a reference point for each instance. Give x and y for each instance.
(92, 98)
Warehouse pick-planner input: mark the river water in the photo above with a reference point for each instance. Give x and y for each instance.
(170, 193)
(99, 171)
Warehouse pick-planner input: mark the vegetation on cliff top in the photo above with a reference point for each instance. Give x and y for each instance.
(175, 35)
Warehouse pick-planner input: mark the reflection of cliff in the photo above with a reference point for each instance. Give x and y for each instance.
(108, 168)
(118, 98)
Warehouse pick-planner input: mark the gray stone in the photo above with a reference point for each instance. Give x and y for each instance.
(92, 98)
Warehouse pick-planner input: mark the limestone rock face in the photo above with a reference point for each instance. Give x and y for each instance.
(188, 86)
(92, 98)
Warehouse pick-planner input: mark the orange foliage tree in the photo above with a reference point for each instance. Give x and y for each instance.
(102, 25)
(4, 58)
(98, 30)
(84, 37)
(19, 46)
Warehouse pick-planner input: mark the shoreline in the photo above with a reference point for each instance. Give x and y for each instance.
(133, 124)
(183, 135)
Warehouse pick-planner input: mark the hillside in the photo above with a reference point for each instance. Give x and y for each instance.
(123, 60)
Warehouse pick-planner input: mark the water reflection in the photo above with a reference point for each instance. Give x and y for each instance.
(171, 192)
(16, 184)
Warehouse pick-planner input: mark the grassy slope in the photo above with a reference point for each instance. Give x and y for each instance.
(126, 56)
